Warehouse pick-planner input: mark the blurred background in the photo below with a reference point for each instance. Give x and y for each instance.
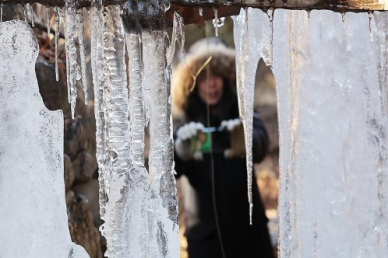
(81, 171)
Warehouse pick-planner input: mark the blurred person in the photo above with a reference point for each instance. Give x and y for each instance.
(210, 152)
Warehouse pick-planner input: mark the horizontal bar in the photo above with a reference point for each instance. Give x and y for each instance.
(335, 5)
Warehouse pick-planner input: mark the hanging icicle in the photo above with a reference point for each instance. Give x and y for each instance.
(32, 15)
(57, 22)
(215, 21)
(73, 69)
(163, 212)
(138, 200)
(25, 12)
(177, 33)
(96, 18)
(117, 155)
(82, 52)
(270, 14)
(251, 35)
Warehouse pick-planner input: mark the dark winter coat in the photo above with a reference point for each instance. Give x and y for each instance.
(219, 196)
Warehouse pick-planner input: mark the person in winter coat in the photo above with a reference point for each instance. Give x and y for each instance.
(216, 203)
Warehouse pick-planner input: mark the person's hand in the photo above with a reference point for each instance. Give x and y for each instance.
(231, 124)
(183, 141)
(189, 130)
(237, 147)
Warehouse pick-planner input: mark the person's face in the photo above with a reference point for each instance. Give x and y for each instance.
(210, 89)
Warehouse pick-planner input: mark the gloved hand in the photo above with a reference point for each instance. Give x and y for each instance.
(237, 146)
(231, 124)
(183, 141)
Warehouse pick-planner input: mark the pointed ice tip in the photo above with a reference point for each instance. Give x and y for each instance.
(250, 213)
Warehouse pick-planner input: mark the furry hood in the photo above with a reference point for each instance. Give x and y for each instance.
(221, 64)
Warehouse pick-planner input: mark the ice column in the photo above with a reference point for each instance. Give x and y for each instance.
(96, 18)
(332, 96)
(252, 39)
(163, 213)
(117, 132)
(32, 193)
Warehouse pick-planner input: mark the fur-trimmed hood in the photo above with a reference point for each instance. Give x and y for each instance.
(221, 64)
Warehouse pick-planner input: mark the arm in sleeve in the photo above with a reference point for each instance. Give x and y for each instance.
(260, 139)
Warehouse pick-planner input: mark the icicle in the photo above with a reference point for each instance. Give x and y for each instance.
(270, 14)
(177, 33)
(215, 21)
(81, 40)
(121, 194)
(163, 213)
(57, 22)
(200, 11)
(25, 12)
(96, 19)
(1, 12)
(73, 70)
(343, 13)
(48, 20)
(138, 205)
(32, 15)
(251, 36)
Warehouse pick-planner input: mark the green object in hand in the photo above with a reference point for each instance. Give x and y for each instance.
(201, 142)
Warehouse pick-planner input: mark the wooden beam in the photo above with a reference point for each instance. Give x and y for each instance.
(335, 5)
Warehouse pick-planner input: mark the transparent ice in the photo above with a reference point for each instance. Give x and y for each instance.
(32, 193)
(73, 69)
(331, 82)
(252, 39)
(163, 212)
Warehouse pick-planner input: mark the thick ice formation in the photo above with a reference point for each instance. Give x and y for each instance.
(140, 213)
(96, 18)
(32, 193)
(163, 212)
(332, 95)
(138, 221)
(252, 39)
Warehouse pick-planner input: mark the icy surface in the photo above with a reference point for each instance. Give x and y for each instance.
(163, 210)
(332, 96)
(251, 36)
(32, 190)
